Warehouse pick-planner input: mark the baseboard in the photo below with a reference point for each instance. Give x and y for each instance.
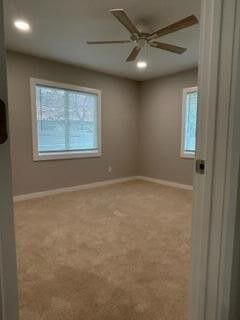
(42, 194)
(46, 193)
(166, 183)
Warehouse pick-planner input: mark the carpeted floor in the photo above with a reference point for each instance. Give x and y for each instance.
(114, 253)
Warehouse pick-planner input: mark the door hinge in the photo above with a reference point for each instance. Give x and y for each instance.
(200, 166)
(3, 123)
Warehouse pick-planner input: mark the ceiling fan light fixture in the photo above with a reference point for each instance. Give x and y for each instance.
(142, 64)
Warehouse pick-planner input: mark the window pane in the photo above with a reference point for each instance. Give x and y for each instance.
(190, 122)
(67, 120)
(82, 121)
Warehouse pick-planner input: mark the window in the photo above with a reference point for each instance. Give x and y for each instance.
(66, 121)
(189, 122)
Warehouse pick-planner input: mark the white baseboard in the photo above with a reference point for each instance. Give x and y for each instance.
(42, 194)
(166, 183)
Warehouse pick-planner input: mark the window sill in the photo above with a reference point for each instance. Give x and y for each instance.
(66, 155)
(188, 155)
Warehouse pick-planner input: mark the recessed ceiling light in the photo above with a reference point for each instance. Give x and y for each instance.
(22, 25)
(142, 64)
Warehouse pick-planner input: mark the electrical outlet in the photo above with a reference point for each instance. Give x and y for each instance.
(109, 169)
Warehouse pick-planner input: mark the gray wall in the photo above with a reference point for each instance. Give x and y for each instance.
(120, 132)
(160, 128)
(141, 127)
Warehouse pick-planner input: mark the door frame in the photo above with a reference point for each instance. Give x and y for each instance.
(8, 270)
(216, 192)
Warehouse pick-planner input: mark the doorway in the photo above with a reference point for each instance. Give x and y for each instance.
(208, 186)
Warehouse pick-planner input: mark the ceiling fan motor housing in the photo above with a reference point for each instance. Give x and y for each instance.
(134, 37)
(142, 41)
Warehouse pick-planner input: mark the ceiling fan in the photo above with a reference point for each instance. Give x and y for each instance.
(141, 39)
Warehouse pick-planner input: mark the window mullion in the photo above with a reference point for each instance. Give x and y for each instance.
(67, 121)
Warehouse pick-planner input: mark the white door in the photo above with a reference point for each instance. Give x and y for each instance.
(8, 288)
(216, 190)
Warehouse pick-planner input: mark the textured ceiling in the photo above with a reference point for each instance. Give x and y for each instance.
(60, 29)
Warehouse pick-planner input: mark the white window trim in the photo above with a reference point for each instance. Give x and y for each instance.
(62, 155)
(183, 153)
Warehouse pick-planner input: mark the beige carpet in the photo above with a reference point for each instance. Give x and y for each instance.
(115, 253)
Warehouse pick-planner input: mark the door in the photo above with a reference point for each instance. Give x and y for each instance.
(216, 190)
(8, 289)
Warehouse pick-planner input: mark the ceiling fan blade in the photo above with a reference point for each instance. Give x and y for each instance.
(181, 24)
(124, 19)
(108, 42)
(167, 47)
(133, 55)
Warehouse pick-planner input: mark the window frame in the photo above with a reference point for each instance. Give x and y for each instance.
(186, 154)
(68, 154)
